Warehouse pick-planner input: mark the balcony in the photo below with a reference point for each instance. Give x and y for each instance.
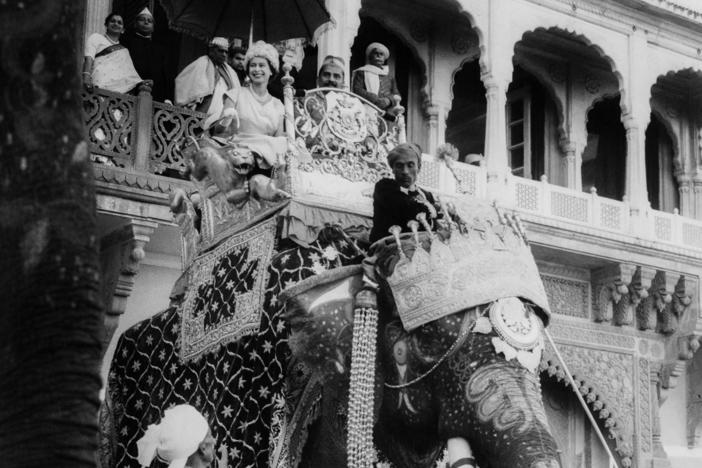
(134, 142)
(137, 143)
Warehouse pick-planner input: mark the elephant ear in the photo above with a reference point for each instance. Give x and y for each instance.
(320, 312)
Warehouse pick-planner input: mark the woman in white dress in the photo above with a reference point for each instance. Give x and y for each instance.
(108, 64)
(252, 118)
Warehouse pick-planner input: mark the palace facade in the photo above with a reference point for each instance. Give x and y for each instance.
(583, 116)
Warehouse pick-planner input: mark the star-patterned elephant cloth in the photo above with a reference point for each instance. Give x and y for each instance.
(238, 386)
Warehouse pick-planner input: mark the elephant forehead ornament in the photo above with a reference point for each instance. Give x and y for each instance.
(483, 258)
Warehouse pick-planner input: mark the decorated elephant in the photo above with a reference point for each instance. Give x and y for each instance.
(454, 316)
(221, 345)
(459, 317)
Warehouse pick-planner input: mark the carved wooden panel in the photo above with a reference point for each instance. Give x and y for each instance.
(109, 118)
(170, 126)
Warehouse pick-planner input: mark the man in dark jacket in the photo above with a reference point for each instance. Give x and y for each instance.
(399, 200)
(149, 57)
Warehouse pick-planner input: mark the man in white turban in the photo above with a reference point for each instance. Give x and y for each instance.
(373, 80)
(182, 439)
(331, 73)
(202, 84)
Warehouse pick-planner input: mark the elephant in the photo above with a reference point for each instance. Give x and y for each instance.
(237, 384)
(467, 371)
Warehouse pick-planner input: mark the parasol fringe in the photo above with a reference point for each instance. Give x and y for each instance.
(196, 33)
(322, 29)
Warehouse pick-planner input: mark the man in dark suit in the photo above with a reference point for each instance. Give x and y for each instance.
(399, 200)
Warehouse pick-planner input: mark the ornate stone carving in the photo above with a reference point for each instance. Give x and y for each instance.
(659, 297)
(671, 371)
(461, 41)
(419, 30)
(671, 301)
(619, 289)
(567, 297)
(592, 84)
(606, 381)
(644, 400)
(558, 72)
(589, 333)
(121, 252)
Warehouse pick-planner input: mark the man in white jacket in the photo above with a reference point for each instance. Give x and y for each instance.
(202, 84)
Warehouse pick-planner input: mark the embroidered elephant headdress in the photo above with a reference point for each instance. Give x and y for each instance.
(477, 260)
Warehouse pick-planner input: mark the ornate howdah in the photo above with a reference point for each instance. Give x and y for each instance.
(344, 135)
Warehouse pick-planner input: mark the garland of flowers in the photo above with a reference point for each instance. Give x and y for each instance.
(448, 154)
(360, 452)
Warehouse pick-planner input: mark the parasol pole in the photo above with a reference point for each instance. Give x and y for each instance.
(251, 25)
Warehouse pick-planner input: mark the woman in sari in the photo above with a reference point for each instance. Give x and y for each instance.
(251, 117)
(107, 63)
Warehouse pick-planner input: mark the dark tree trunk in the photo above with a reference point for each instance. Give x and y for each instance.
(50, 312)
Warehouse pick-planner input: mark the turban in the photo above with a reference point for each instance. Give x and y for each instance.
(377, 46)
(263, 50)
(220, 42)
(409, 149)
(145, 12)
(334, 61)
(175, 438)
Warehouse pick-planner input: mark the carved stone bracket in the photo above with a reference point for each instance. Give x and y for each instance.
(672, 299)
(659, 297)
(121, 252)
(619, 289)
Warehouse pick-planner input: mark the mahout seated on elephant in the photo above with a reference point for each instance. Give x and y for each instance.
(460, 312)
(182, 439)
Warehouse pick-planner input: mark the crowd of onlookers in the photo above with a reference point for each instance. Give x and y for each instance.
(238, 88)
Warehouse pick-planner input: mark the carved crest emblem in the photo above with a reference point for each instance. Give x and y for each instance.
(346, 117)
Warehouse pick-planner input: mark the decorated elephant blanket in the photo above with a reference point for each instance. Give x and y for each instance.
(184, 356)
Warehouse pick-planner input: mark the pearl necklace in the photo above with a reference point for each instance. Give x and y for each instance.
(262, 99)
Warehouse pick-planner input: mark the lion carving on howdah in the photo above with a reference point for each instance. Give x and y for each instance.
(305, 345)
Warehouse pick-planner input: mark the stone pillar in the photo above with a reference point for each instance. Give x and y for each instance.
(496, 79)
(635, 189)
(436, 115)
(696, 198)
(95, 13)
(121, 252)
(687, 201)
(572, 162)
(636, 112)
(338, 38)
(660, 458)
(496, 136)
